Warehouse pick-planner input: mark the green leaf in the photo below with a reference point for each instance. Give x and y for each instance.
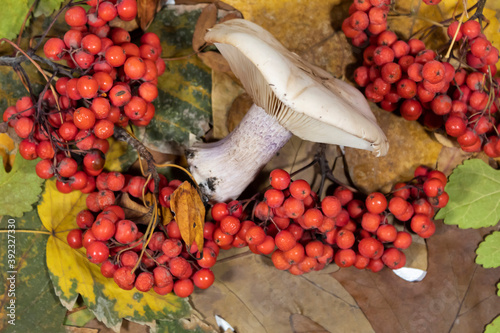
(120, 156)
(21, 187)
(494, 326)
(72, 274)
(12, 17)
(183, 106)
(11, 88)
(79, 318)
(498, 289)
(474, 190)
(37, 308)
(176, 326)
(488, 252)
(47, 7)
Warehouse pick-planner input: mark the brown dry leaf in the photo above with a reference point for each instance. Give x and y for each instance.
(303, 324)
(189, 212)
(146, 11)
(445, 140)
(215, 61)
(456, 295)
(224, 91)
(231, 16)
(253, 296)
(135, 211)
(127, 25)
(238, 110)
(206, 20)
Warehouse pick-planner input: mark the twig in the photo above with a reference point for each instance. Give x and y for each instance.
(123, 135)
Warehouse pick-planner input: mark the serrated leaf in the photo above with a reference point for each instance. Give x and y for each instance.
(189, 212)
(488, 251)
(21, 188)
(12, 17)
(37, 308)
(474, 190)
(47, 7)
(183, 106)
(494, 326)
(72, 274)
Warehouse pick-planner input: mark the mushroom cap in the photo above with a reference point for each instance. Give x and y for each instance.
(304, 98)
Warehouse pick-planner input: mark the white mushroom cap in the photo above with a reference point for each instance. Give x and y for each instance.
(305, 99)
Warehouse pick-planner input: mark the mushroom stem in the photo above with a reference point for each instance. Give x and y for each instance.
(225, 168)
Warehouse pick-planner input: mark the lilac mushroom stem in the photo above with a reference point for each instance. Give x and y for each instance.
(225, 168)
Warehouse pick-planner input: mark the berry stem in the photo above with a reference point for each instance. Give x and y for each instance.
(455, 36)
(123, 135)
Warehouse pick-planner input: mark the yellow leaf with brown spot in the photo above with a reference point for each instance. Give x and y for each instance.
(189, 212)
(73, 275)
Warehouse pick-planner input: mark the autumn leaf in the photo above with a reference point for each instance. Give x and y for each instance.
(21, 188)
(12, 17)
(253, 296)
(7, 152)
(183, 106)
(189, 212)
(37, 308)
(488, 252)
(207, 19)
(494, 326)
(47, 7)
(120, 156)
(78, 318)
(72, 274)
(457, 295)
(146, 10)
(474, 193)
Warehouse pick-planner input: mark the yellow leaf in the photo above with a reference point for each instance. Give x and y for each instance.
(7, 153)
(189, 212)
(166, 215)
(72, 274)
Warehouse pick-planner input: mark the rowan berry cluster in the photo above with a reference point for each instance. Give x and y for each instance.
(116, 84)
(421, 84)
(303, 233)
(117, 243)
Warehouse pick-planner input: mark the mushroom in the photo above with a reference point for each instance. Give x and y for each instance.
(291, 97)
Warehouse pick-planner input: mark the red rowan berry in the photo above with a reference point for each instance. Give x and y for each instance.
(471, 29)
(391, 72)
(97, 252)
(345, 257)
(411, 109)
(433, 71)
